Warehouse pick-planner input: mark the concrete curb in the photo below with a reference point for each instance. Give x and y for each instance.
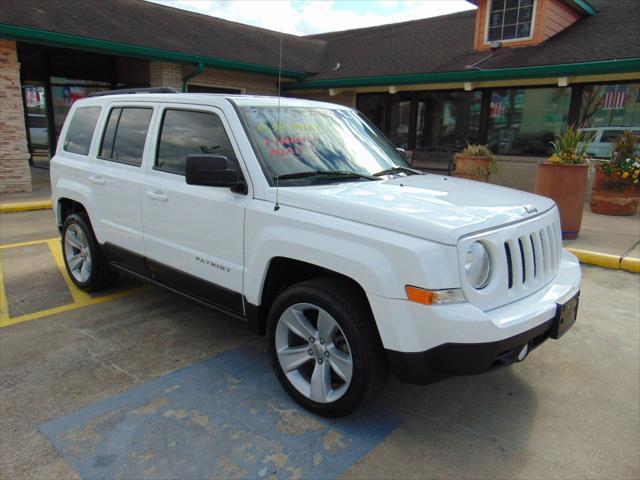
(25, 206)
(605, 260)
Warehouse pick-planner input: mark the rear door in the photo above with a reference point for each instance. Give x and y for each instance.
(116, 179)
(193, 234)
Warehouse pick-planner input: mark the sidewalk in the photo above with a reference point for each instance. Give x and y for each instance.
(619, 236)
(37, 199)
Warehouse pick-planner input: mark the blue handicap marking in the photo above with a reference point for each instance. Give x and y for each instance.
(224, 417)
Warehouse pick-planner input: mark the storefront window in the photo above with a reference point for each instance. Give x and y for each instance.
(525, 121)
(610, 105)
(447, 120)
(399, 122)
(374, 107)
(65, 91)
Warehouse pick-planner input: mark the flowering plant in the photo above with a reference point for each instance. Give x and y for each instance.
(625, 160)
(571, 147)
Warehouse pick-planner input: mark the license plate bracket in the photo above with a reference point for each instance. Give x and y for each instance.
(566, 314)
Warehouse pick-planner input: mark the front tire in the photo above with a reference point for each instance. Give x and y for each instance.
(325, 349)
(83, 257)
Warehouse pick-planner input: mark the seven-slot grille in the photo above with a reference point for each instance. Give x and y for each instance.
(533, 258)
(525, 256)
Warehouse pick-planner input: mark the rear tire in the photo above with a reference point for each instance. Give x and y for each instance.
(324, 346)
(83, 257)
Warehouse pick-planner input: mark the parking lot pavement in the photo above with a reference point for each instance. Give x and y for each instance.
(148, 384)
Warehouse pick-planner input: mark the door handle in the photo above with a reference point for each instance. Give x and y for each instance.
(157, 195)
(97, 180)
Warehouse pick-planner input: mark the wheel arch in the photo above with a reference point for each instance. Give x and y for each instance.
(66, 206)
(283, 272)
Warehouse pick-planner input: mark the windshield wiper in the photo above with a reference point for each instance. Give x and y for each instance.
(398, 170)
(325, 173)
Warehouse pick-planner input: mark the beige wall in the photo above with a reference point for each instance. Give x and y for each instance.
(15, 175)
(250, 83)
(520, 173)
(166, 74)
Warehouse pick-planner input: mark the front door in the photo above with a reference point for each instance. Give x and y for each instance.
(193, 235)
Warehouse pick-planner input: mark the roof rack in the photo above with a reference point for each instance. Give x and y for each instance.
(130, 91)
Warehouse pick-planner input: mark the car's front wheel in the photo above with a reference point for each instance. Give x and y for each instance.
(325, 348)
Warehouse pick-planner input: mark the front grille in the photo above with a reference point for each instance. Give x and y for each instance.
(525, 257)
(533, 258)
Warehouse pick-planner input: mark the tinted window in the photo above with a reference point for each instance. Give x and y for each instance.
(510, 19)
(186, 133)
(523, 121)
(609, 136)
(611, 105)
(125, 135)
(81, 129)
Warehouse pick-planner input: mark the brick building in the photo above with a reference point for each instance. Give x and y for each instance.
(510, 74)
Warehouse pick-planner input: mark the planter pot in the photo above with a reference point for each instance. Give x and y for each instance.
(472, 167)
(613, 195)
(566, 185)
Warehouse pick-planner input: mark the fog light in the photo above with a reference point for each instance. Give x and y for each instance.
(523, 353)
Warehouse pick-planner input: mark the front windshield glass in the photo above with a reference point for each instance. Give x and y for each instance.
(294, 140)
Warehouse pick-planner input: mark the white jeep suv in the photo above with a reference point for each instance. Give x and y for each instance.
(302, 220)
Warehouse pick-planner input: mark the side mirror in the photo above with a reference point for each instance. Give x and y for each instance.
(214, 171)
(401, 151)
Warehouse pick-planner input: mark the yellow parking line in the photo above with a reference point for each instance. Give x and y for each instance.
(6, 321)
(81, 299)
(27, 244)
(79, 296)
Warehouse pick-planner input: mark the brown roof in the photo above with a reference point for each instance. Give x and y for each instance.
(157, 26)
(443, 44)
(439, 44)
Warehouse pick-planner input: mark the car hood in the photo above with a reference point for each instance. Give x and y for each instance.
(433, 207)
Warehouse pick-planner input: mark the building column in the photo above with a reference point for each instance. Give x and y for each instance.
(165, 74)
(15, 175)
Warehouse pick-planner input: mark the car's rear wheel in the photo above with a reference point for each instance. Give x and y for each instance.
(83, 257)
(325, 349)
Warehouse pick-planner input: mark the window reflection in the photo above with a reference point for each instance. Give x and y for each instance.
(525, 121)
(80, 132)
(294, 139)
(186, 133)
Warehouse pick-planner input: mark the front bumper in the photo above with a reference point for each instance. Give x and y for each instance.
(425, 343)
(464, 358)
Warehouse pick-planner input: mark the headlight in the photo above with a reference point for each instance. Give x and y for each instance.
(477, 265)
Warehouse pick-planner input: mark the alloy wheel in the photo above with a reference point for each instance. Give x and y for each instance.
(313, 352)
(77, 253)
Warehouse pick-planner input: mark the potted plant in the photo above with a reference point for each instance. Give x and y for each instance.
(615, 187)
(563, 178)
(475, 162)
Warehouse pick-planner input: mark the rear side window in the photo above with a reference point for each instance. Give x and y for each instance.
(80, 131)
(610, 136)
(125, 135)
(187, 132)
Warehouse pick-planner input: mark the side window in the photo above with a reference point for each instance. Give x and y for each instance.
(187, 132)
(610, 136)
(125, 134)
(80, 132)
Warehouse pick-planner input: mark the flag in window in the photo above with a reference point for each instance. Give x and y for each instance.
(614, 97)
(497, 109)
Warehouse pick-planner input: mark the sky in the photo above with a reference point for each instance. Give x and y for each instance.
(305, 17)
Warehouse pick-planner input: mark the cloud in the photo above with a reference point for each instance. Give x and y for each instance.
(318, 16)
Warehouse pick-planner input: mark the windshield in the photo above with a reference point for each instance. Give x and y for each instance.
(295, 140)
